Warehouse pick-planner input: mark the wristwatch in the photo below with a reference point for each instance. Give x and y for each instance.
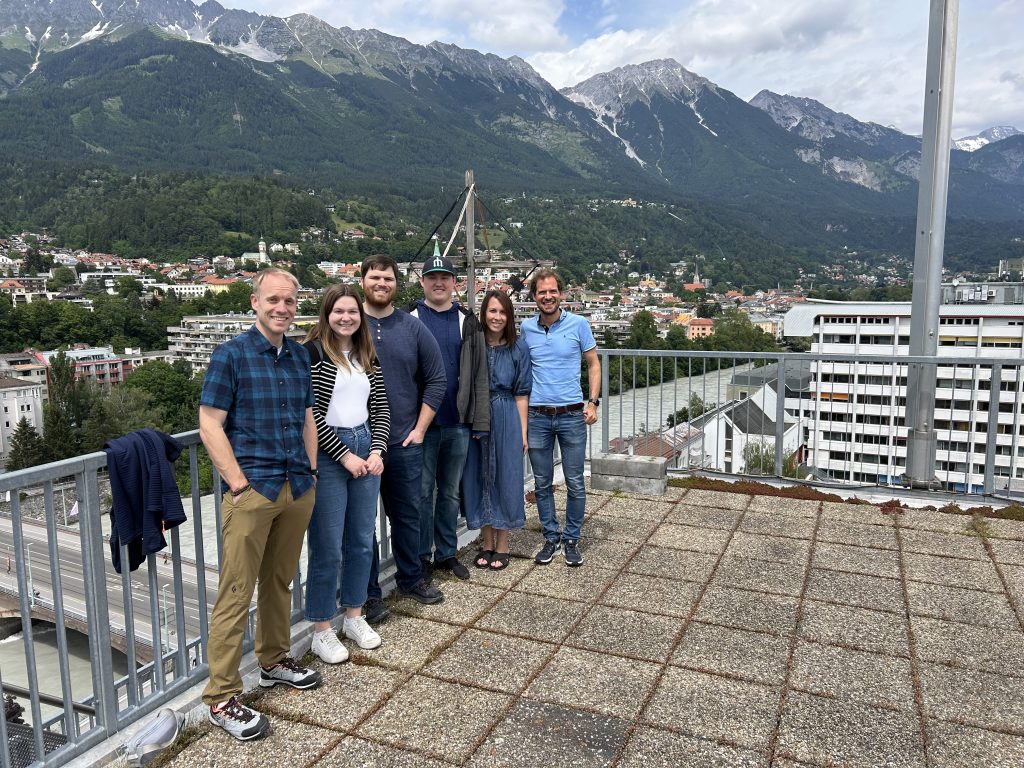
(595, 401)
(314, 472)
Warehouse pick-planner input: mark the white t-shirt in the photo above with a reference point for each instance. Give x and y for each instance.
(348, 401)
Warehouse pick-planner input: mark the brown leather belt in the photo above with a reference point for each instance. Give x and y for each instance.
(554, 410)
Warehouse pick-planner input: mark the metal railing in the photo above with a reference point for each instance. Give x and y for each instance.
(840, 420)
(146, 630)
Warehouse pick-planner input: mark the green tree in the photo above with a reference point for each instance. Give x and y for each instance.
(63, 416)
(758, 459)
(26, 447)
(173, 394)
(62, 278)
(118, 412)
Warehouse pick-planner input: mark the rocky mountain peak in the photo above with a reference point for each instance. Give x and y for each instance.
(611, 91)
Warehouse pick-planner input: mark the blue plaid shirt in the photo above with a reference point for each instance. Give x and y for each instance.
(266, 396)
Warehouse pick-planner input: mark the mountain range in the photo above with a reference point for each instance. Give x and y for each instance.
(171, 84)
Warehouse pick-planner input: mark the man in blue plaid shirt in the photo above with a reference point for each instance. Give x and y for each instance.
(256, 421)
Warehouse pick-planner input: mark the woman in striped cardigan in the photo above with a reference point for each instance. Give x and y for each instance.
(352, 423)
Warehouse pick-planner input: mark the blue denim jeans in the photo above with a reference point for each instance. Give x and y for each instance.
(570, 431)
(341, 531)
(399, 492)
(444, 458)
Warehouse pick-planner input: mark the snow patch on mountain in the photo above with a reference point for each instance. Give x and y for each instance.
(988, 136)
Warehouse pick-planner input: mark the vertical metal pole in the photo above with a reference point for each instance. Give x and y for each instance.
(470, 243)
(606, 364)
(930, 233)
(992, 432)
(780, 414)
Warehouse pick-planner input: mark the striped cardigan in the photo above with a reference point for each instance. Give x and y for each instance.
(324, 373)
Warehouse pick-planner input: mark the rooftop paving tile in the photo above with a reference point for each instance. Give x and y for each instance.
(952, 572)
(872, 562)
(558, 580)
(802, 507)
(463, 601)
(595, 681)
(777, 523)
(629, 633)
(655, 748)
(413, 715)
(1008, 551)
(962, 645)
(490, 660)
(959, 746)
(652, 594)
(742, 609)
(928, 520)
(535, 616)
(752, 656)
(704, 517)
(836, 732)
(602, 526)
(856, 628)
(714, 707)
(365, 687)
(702, 498)
(354, 752)
(690, 538)
(673, 563)
(858, 676)
(799, 507)
(857, 534)
(854, 513)
(948, 544)
(632, 508)
(287, 743)
(408, 642)
(964, 605)
(972, 697)
(534, 733)
(761, 575)
(774, 548)
(604, 552)
(1004, 529)
(856, 589)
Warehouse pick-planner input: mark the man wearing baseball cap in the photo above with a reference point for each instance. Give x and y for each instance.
(466, 407)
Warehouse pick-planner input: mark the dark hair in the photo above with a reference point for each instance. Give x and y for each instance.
(378, 261)
(362, 343)
(543, 274)
(508, 336)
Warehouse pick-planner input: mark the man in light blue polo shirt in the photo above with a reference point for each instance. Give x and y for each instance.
(559, 340)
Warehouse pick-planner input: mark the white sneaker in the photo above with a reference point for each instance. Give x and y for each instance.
(357, 629)
(328, 647)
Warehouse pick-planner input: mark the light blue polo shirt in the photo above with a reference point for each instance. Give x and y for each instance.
(556, 355)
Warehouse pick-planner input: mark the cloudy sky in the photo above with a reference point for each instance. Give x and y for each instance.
(863, 57)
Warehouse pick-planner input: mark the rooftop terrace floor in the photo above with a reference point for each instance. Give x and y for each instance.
(704, 629)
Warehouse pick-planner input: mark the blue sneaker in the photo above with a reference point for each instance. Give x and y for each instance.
(573, 558)
(548, 553)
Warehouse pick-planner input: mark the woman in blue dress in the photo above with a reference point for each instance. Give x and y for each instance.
(492, 484)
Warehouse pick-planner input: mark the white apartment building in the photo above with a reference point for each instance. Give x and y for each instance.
(854, 416)
(19, 398)
(194, 340)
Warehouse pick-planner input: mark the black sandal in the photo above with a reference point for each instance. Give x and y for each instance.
(483, 560)
(501, 558)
